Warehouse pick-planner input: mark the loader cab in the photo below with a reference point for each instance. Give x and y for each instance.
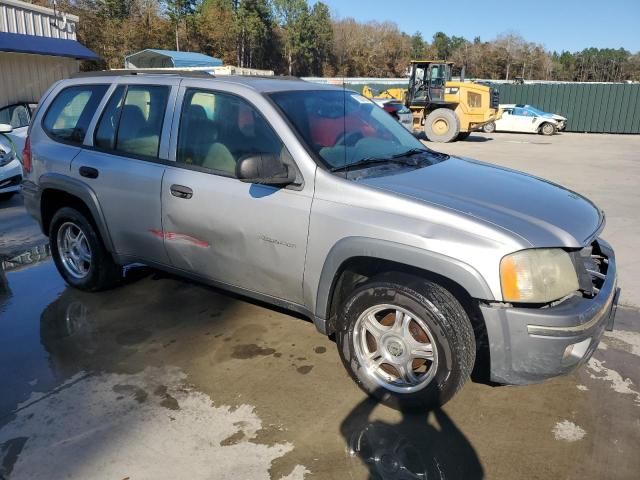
(427, 82)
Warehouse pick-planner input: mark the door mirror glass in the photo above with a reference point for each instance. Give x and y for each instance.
(265, 169)
(5, 128)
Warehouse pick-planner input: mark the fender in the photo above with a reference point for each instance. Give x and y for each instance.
(461, 273)
(85, 193)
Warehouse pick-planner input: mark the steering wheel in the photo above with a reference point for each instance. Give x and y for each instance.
(349, 139)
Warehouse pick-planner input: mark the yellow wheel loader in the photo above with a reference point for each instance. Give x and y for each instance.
(444, 109)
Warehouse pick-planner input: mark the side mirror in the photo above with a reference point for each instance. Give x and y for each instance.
(265, 169)
(5, 128)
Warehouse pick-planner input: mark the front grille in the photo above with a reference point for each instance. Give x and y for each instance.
(591, 265)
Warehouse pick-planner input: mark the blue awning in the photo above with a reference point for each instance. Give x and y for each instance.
(57, 47)
(154, 58)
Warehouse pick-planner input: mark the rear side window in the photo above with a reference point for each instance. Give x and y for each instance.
(70, 113)
(132, 120)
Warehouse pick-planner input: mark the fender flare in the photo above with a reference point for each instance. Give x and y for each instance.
(72, 186)
(463, 274)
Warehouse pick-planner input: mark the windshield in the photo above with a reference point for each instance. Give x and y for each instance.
(536, 111)
(344, 128)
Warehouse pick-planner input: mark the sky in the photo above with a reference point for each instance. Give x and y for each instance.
(557, 24)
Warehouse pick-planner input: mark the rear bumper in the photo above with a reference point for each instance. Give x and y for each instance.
(529, 345)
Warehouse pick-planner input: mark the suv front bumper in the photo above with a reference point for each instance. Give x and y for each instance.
(532, 344)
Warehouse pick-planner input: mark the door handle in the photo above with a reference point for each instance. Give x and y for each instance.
(89, 172)
(181, 191)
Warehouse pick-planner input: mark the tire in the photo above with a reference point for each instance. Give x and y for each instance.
(463, 136)
(489, 127)
(448, 331)
(6, 196)
(441, 126)
(547, 129)
(92, 268)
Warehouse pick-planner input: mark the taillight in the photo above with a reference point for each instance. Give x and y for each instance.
(26, 155)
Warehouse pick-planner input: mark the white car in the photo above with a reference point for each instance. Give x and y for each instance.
(527, 119)
(397, 110)
(14, 123)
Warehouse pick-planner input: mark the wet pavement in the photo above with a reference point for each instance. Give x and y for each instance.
(164, 378)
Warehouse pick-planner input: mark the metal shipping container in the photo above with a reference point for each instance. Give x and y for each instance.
(589, 107)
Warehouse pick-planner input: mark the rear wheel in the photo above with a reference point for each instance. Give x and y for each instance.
(489, 127)
(406, 341)
(547, 129)
(79, 254)
(463, 136)
(441, 125)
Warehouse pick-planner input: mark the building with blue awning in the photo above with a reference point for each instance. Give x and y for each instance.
(37, 48)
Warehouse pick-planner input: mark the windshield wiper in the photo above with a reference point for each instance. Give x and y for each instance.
(391, 159)
(411, 152)
(370, 161)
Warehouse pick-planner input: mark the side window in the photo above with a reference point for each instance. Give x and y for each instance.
(71, 111)
(217, 129)
(15, 115)
(132, 120)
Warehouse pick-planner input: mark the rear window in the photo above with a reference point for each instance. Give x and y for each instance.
(71, 111)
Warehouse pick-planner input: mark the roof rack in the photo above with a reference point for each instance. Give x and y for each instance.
(143, 71)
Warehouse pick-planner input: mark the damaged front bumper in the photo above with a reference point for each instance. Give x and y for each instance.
(532, 344)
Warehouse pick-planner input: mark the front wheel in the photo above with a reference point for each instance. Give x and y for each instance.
(547, 129)
(441, 125)
(406, 341)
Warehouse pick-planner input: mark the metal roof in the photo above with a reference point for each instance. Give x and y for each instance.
(57, 47)
(154, 58)
(267, 84)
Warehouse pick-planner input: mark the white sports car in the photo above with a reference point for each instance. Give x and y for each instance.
(528, 119)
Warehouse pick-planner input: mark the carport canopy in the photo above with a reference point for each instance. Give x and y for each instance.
(57, 47)
(152, 58)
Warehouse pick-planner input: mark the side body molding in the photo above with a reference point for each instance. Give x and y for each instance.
(350, 247)
(81, 190)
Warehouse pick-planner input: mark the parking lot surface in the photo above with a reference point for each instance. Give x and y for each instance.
(164, 378)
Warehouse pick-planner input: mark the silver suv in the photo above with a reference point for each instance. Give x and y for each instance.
(313, 198)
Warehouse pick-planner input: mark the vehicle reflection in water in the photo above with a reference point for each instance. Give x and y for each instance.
(413, 449)
(28, 283)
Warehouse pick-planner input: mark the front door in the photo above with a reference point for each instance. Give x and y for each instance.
(249, 236)
(437, 79)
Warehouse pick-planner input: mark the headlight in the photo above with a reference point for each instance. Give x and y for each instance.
(6, 155)
(537, 275)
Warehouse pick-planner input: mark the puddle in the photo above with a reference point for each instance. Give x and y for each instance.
(113, 426)
(24, 294)
(89, 392)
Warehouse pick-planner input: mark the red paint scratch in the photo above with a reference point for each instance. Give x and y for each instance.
(178, 236)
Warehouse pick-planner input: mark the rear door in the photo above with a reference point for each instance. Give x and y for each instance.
(122, 163)
(249, 236)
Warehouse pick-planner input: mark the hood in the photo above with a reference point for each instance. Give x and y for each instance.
(540, 212)
(555, 116)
